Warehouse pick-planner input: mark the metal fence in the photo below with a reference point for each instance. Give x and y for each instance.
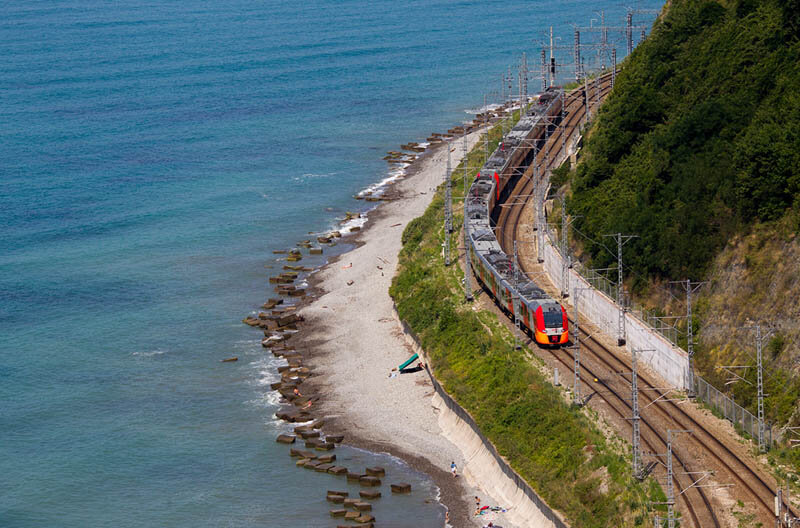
(648, 317)
(732, 411)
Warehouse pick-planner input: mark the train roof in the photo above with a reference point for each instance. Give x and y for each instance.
(483, 238)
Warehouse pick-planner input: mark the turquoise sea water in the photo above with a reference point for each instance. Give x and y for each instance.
(152, 155)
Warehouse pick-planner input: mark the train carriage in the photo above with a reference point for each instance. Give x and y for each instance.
(541, 316)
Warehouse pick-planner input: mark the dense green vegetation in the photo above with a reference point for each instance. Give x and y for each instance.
(554, 447)
(699, 139)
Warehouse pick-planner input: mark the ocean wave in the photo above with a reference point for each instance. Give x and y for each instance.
(149, 353)
(482, 109)
(377, 188)
(312, 176)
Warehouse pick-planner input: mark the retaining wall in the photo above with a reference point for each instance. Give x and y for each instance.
(483, 464)
(670, 362)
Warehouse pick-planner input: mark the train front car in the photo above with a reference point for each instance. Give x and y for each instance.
(551, 326)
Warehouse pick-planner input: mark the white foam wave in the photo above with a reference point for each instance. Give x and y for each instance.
(312, 176)
(149, 353)
(482, 109)
(376, 189)
(346, 227)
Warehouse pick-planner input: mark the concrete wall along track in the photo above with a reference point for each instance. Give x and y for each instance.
(669, 361)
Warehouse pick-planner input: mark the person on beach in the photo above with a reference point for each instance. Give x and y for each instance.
(453, 469)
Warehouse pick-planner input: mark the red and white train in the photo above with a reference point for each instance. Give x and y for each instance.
(541, 316)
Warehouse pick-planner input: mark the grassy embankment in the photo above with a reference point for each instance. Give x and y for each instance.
(554, 447)
(697, 151)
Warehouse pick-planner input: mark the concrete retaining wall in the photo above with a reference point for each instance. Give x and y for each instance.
(484, 465)
(669, 361)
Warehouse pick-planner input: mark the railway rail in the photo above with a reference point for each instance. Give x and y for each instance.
(597, 360)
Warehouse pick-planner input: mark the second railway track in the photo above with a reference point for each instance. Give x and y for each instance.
(597, 360)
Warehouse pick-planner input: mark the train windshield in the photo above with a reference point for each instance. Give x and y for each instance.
(553, 317)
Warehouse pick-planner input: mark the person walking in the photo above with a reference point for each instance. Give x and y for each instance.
(453, 469)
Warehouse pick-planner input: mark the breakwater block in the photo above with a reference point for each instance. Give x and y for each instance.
(230, 360)
(369, 494)
(334, 439)
(363, 506)
(401, 487)
(338, 470)
(323, 468)
(336, 499)
(315, 251)
(285, 439)
(365, 518)
(376, 471)
(316, 443)
(302, 453)
(335, 492)
(352, 515)
(309, 433)
(338, 513)
(369, 481)
(326, 458)
(354, 477)
(311, 464)
(302, 462)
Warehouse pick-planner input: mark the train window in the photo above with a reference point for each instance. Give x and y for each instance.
(553, 318)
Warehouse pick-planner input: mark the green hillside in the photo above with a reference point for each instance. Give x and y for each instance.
(699, 140)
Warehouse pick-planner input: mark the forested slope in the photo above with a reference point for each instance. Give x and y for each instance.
(699, 139)
(697, 152)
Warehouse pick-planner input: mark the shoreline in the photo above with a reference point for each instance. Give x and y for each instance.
(356, 340)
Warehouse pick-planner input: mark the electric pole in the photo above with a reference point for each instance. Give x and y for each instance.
(544, 70)
(467, 262)
(691, 287)
(629, 31)
(576, 396)
(621, 240)
(565, 258)
(636, 440)
(613, 66)
(761, 445)
(485, 123)
(448, 208)
(515, 300)
(552, 60)
(670, 485)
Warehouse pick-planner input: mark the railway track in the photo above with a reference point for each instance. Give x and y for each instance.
(597, 360)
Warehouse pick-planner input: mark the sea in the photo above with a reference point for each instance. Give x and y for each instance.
(153, 155)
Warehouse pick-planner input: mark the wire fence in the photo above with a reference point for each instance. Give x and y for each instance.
(650, 318)
(740, 417)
